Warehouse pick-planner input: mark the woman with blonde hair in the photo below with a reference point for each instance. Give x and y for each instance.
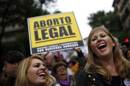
(106, 65)
(32, 71)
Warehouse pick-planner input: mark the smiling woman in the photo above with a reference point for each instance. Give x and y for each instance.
(33, 72)
(62, 76)
(106, 65)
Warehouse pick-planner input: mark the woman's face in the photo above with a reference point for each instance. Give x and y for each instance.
(101, 44)
(62, 73)
(37, 72)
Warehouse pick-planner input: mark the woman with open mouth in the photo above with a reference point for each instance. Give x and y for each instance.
(33, 72)
(106, 65)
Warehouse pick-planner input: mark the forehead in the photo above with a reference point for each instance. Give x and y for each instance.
(36, 60)
(99, 31)
(61, 67)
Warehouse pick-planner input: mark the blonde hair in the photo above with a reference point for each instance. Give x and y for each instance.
(93, 65)
(22, 79)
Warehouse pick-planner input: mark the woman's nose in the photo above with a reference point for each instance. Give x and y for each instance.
(99, 38)
(43, 67)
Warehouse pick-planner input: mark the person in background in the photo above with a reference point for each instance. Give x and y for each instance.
(49, 59)
(80, 57)
(74, 65)
(106, 65)
(11, 62)
(58, 56)
(32, 71)
(61, 74)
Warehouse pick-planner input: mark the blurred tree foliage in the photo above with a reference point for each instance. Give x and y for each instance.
(16, 12)
(110, 20)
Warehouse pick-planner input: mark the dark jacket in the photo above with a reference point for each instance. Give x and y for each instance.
(6, 81)
(87, 79)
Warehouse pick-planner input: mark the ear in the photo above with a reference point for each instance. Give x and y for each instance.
(114, 44)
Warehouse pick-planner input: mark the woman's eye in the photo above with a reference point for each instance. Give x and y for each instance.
(36, 65)
(94, 38)
(103, 35)
(44, 65)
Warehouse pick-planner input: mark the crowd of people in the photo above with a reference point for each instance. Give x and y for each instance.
(106, 64)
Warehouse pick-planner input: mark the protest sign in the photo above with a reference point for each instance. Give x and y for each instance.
(53, 32)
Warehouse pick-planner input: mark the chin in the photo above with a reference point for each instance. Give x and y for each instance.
(41, 82)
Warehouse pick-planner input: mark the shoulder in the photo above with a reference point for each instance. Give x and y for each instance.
(3, 80)
(3, 77)
(89, 79)
(88, 76)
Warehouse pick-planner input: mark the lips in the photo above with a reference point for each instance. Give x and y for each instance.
(62, 74)
(41, 74)
(101, 45)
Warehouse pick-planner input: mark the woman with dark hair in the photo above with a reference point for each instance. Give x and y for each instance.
(61, 74)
